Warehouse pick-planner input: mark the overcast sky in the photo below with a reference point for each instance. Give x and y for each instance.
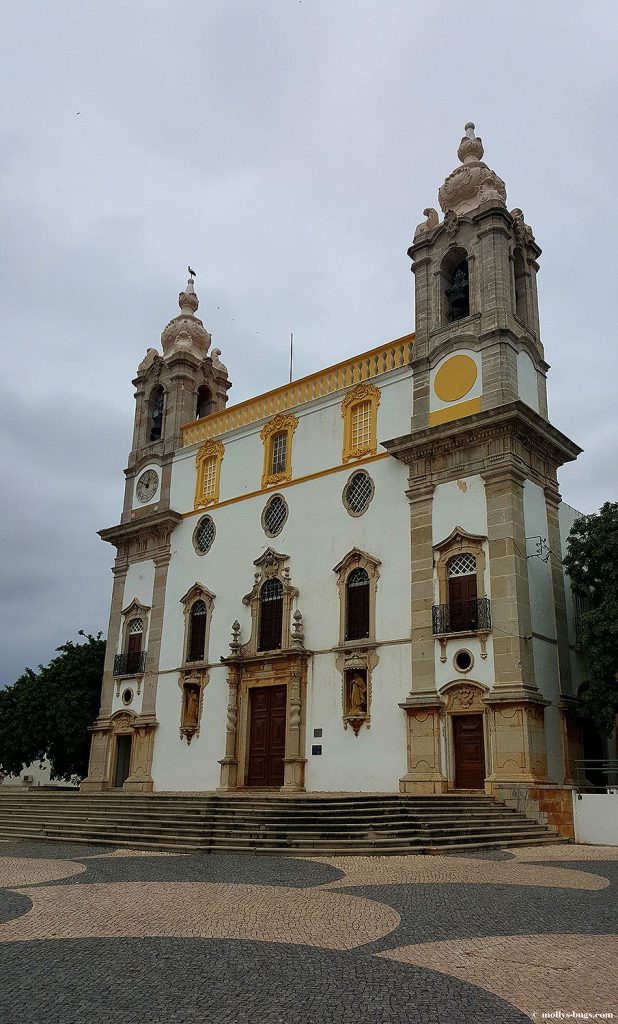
(285, 150)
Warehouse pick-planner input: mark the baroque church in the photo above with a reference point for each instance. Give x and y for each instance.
(353, 582)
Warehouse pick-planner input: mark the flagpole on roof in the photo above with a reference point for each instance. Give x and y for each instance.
(291, 354)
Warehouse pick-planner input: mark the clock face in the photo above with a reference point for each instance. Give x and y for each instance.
(147, 485)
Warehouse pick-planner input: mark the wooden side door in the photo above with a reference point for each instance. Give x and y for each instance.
(267, 735)
(469, 751)
(123, 760)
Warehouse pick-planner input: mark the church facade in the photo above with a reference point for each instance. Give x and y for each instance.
(353, 582)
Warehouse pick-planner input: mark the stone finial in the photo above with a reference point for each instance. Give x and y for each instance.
(235, 641)
(151, 357)
(298, 632)
(188, 300)
(186, 333)
(470, 148)
(216, 362)
(473, 182)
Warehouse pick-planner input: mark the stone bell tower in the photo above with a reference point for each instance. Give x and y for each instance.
(182, 385)
(475, 286)
(479, 427)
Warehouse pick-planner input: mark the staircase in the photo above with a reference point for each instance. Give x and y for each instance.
(302, 826)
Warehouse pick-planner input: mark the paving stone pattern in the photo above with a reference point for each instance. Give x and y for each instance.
(92, 936)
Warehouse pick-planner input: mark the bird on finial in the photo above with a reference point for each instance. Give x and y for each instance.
(192, 272)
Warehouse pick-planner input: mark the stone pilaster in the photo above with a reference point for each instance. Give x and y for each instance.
(229, 763)
(424, 769)
(510, 596)
(423, 656)
(552, 503)
(294, 762)
(151, 674)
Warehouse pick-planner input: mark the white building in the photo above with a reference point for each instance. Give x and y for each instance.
(353, 582)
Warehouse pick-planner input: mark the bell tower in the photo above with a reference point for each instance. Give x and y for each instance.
(184, 384)
(483, 461)
(475, 289)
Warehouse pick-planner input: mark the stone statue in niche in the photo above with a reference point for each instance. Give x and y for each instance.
(357, 694)
(190, 710)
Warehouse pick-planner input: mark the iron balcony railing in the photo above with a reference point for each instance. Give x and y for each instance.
(129, 664)
(461, 616)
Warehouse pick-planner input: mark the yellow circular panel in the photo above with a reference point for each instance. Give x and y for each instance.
(455, 378)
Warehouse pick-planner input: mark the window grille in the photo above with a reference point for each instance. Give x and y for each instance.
(274, 515)
(358, 493)
(357, 605)
(279, 453)
(361, 425)
(461, 565)
(197, 632)
(204, 535)
(271, 615)
(209, 478)
(136, 626)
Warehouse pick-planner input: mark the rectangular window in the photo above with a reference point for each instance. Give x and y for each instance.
(279, 453)
(209, 485)
(361, 425)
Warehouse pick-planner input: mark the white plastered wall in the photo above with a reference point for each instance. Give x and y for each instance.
(317, 535)
(462, 503)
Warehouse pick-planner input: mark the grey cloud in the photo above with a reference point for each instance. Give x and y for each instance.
(286, 150)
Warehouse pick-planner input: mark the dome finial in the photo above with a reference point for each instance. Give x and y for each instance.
(470, 147)
(186, 332)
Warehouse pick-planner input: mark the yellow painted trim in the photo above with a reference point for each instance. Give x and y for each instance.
(289, 483)
(455, 412)
(359, 395)
(279, 425)
(383, 359)
(455, 378)
(211, 451)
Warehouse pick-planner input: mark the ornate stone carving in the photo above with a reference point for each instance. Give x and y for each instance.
(523, 231)
(271, 564)
(427, 225)
(192, 685)
(151, 357)
(280, 424)
(473, 182)
(451, 225)
(186, 333)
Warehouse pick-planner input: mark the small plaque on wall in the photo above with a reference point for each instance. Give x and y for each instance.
(316, 748)
(317, 734)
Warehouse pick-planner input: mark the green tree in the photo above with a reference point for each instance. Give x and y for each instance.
(47, 713)
(592, 564)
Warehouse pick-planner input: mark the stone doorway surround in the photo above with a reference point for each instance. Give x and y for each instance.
(513, 730)
(285, 668)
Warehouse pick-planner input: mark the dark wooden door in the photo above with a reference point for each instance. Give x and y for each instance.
(462, 604)
(123, 760)
(267, 735)
(469, 752)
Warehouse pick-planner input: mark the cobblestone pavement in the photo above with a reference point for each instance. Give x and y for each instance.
(89, 935)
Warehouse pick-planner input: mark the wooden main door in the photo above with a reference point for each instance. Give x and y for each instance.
(123, 760)
(469, 751)
(267, 735)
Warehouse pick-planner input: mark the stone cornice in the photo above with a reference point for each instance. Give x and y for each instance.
(510, 438)
(144, 538)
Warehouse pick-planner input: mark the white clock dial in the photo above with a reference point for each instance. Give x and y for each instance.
(147, 485)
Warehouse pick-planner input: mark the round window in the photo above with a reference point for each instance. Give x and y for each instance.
(358, 492)
(274, 515)
(463, 661)
(204, 535)
(127, 696)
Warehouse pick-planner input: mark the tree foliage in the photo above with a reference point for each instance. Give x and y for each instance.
(592, 564)
(47, 713)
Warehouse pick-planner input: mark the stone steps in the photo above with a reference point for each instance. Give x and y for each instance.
(269, 824)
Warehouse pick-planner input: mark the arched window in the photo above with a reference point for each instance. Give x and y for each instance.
(157, 400)
(204, 402)
(455, 286)
(462, 593)
(135, 636)
(271, 615)
(357, 605)
(197, 632)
